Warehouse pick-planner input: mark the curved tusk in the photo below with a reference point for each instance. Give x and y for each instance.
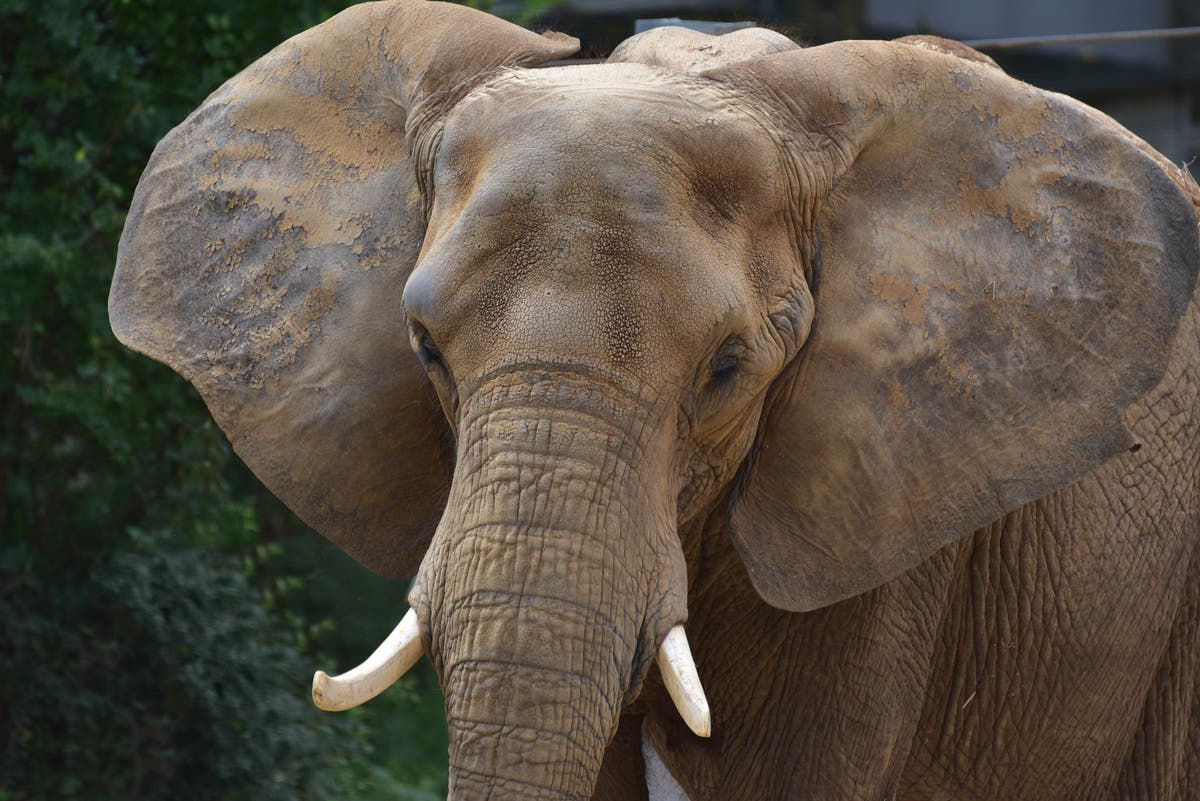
(678, 671)
(391, 660)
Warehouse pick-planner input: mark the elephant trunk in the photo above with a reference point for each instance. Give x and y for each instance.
(553, 578)
(530, 707)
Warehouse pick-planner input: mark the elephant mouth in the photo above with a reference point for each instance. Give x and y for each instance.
(402, 649)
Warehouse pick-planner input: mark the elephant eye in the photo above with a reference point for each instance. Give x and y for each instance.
(424, 346)
(726, 363)
(429, 353)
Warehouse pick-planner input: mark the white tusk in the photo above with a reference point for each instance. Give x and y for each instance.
(678, 671)
(391, 660)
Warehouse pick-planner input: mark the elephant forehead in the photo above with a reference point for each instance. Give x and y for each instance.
(624, 134)
(611, 209)
(573, 283)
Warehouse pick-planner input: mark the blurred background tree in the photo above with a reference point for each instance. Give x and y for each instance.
(160, 613)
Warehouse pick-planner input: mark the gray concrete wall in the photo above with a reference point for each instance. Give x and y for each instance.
(966, 19)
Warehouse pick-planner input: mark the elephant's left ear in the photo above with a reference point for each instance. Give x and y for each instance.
(998, 272)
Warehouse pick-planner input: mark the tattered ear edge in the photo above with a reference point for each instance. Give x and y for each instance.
(799, 556)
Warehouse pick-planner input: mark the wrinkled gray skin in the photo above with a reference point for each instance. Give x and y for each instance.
(876, 367)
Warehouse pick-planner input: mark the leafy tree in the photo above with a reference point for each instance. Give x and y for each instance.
(155, 631)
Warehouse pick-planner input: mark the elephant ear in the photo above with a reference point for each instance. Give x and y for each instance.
(998, 273)
(267, 248)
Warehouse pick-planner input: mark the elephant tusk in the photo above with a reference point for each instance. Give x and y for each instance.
(391, 660)
(678, 671)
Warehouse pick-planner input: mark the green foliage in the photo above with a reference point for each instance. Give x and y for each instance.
(168, 683)
(95, 439)
(153, 644)
(408, 726)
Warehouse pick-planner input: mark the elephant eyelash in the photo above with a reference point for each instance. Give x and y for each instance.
(427, 351)
(429, 354)
(726, 365)
(723, 374)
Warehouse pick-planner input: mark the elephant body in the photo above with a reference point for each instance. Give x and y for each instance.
(869, 366)
(1002, 668)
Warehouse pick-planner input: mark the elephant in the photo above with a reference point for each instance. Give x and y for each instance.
(758, 421)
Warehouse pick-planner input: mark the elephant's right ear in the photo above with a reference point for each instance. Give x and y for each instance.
(267, 248)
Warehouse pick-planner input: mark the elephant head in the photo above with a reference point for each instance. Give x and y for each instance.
(513, 330)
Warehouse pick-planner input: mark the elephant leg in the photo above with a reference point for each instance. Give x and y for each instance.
(623, 772)
(819, 706)
(1164, 757)
(1053, 647)
(660, 784)
(1044, 671)
(1164, 762)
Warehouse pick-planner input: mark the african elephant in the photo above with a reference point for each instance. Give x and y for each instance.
(873, 366)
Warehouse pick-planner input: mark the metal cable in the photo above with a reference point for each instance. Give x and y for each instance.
(1084, 38)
